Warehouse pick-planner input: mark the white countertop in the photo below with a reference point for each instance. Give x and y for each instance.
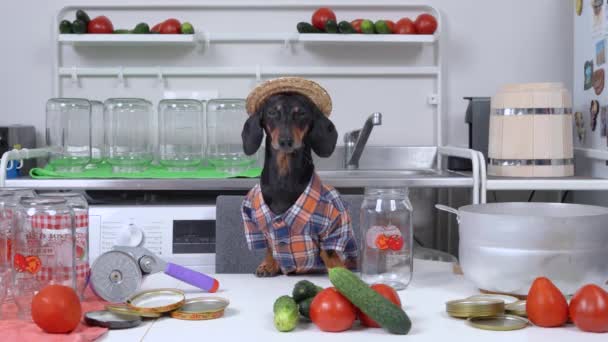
(250, 313)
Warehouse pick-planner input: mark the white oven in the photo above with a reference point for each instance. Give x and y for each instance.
(182, 234)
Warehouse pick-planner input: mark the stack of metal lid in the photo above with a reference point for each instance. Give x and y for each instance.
(488, 312)
(474, 307)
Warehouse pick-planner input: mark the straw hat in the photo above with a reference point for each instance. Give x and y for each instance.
(312, 90)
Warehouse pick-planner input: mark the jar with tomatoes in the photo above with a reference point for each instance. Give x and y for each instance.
(43, 249)
(387, 235)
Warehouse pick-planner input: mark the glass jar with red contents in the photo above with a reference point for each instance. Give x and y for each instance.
(43, 249)
(387, 237)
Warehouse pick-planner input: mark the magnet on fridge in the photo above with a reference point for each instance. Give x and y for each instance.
(588, 74)
(598, 14)
(598, 81)
(579, 7)
(603, 113)
(579, 120)
(594, 110)
(600, 52)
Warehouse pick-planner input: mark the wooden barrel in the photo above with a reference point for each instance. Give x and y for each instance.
(531, 131)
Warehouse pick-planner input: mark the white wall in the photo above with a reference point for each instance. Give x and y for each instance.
(488, 43)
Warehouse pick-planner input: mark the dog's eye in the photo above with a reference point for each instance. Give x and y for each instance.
(272, 114)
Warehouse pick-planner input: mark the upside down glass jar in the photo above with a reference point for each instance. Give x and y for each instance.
(79, 204)
(129, 134)
(43, 249)
(387, 237)
(180, 124)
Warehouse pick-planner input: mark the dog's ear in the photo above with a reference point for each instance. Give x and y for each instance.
(252, 134)
(323, 135)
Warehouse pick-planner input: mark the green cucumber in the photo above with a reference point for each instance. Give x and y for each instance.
(82, 15)
(345, 27)
(304, 307)
(65, 27)
(79, 26)
(187, 28)
(384, 312)
(367, 26)
(286, 314)
(331, 26)
(141, 28)
(121, 31)
(304, 27)
(382, 27)
(304, 289)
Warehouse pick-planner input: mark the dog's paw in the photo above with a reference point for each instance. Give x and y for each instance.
(268, 269)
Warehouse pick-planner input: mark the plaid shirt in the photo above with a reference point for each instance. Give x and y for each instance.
(317, 221)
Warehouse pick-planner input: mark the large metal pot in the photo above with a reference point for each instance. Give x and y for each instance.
(505, 246)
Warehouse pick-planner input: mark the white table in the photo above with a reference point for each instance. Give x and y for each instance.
(249, 316)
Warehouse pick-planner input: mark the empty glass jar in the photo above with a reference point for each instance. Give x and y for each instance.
(97, 133)
(43, 249)
(79, 204)
(387, 237)
(180, 125)
(225, 119)
(68, 133)
(129, 125)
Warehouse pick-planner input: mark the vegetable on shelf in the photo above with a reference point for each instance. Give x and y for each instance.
(425, 24)
(546, 305)
(285, 314)
(187, 28)
(100, 24)
(304, 27)
(388, 315)
(356, 24)
(367, 26)
(382, 27)
(405, 26)
(65, 27)
(79, 26)
(171, 26)
(141, 28)
(331, 26)
(589, 309)
(321, 16)
(345, 27)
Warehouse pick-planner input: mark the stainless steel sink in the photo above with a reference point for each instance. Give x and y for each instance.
(383, 158)
(375, 173)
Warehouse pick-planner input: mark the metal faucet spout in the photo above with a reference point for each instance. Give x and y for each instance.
(355, 141)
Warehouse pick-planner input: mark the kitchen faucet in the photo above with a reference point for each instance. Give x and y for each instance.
(355, 141)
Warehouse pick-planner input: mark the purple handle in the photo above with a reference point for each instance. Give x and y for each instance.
(200, 280)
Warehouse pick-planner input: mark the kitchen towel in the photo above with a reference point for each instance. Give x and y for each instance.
(105, 171)
(12, 329)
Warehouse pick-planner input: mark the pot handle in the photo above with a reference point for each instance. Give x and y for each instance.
(448, 209)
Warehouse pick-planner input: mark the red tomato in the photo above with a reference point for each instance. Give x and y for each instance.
(321, 16)
(20, 263)
(56, 309)
(171, 26)
(546, 305)
(356, 24)
(156, 28)
(100, 24)
(331, 311)
(386, 292)
(426, 24)
(382, 242)
(405, 26)
(391, 25)
(589, 309)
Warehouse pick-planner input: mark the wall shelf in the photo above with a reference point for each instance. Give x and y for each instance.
(126, 39)
(237, 37)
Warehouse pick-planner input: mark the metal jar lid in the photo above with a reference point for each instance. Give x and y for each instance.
(201, 308)
(499, 323)
(157, 301)
(518, 308)
(123, 309)
(465, 308)
(111, 320)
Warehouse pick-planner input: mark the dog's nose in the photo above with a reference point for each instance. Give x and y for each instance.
(286, 143)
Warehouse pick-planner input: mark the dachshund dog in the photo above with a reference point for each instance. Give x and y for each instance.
(294, 127)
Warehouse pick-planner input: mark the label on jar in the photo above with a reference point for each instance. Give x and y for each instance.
(384, 238)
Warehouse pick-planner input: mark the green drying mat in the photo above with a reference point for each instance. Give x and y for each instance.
(104, 170)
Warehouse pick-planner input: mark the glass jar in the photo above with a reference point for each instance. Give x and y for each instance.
(68, 133)
(97, 133)
(79, 204)
(225, 119)
(43, 249)
(18, 192)
(128, 134)
(180, 125)
(387, 237)
(7, 206)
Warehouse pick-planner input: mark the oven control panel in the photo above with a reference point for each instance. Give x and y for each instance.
(183, 234)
